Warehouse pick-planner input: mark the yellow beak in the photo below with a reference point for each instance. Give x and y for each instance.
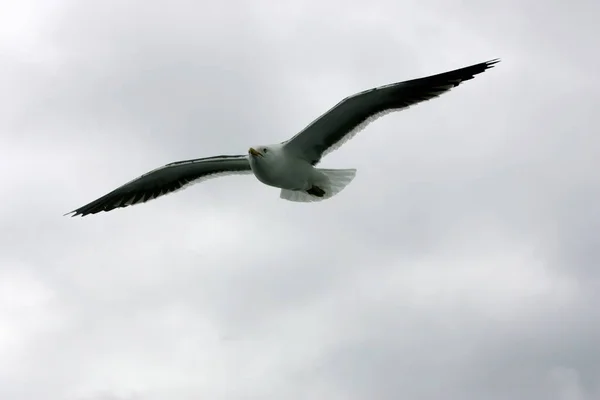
(254, 152)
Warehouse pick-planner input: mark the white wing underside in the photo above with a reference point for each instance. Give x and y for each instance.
(165, 180)
(351, 115)
(352, 133)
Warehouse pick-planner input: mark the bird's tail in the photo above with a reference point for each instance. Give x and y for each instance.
(333, 182)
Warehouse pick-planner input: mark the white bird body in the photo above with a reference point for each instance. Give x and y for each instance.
(272, 166)
(298, 179)
(290, 165)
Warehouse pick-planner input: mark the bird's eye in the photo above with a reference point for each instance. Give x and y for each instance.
(265, 150)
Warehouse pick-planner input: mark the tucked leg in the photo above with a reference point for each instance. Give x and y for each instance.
(316, 191)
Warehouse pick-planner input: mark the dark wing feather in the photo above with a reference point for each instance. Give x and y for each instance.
(346, 118)
(164, 180)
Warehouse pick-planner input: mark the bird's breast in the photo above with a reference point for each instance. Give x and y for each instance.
(282, 174)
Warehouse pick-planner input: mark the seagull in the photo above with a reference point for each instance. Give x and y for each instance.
(290, 165)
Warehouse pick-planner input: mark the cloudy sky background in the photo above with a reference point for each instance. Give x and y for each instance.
(463, 262)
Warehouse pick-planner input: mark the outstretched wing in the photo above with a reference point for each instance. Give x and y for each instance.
(352, 114)
(166, 179)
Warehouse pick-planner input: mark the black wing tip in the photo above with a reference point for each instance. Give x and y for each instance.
(95, 209)
(492, 63)
(76, 213)
(92, 208)
(481, 67)
(468, 73)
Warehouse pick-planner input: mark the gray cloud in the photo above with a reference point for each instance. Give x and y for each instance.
(460, 263)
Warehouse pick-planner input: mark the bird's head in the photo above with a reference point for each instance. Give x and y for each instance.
(259, 152)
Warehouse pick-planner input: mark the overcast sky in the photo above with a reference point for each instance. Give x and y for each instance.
(463, 262)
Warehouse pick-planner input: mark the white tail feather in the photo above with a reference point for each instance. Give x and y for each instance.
(334, 181)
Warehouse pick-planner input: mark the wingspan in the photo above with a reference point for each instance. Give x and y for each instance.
(353, 113)
(166, 179)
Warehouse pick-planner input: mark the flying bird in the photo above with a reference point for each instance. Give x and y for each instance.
(291, 165)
